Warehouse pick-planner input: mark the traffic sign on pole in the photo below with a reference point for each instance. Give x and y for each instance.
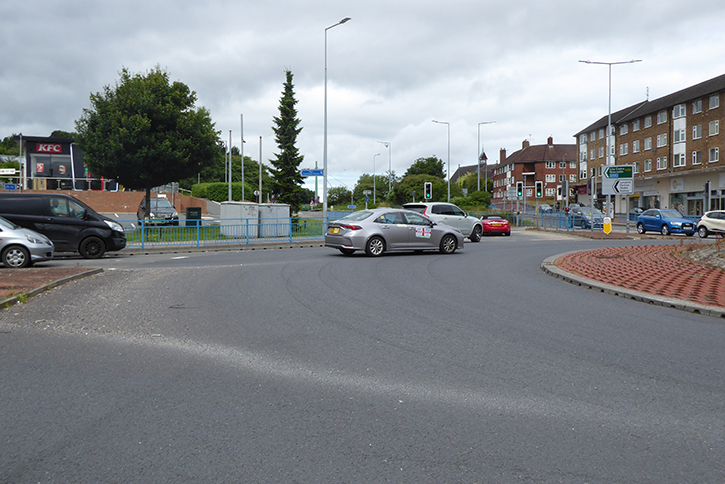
(618, 180)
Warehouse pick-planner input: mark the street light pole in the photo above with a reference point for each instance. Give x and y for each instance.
(324, 149)
(478, 158)
(609, 159)
(378, 154)
(449, 156)
(389, 146)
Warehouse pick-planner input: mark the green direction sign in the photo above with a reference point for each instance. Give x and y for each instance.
(618, 180)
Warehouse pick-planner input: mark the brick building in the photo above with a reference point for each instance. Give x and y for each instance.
(674, 144)
(551, 164)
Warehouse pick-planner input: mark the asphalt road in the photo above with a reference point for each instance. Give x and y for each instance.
(302, 365)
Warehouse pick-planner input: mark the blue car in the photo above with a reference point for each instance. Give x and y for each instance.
(665, 222)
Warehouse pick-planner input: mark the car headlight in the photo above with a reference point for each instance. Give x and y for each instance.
(676, 224)
(175, 214)
(116, 227)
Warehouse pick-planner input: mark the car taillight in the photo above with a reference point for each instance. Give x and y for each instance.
(351, 227)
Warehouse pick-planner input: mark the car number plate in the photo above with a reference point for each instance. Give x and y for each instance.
(334, 230)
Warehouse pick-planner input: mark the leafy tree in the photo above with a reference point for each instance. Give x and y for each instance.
(9, 146)
(63, 134)
(338, 196)
(365, 182)
(403, 191)
(145, 132)
(287, 179)
(427, 166)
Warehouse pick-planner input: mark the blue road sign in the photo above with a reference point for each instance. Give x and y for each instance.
(10, 187)
(313, 172)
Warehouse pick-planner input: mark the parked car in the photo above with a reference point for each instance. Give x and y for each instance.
(712, 222)
(585, 217)
(162, 212)
(665, 221)
(450, 214)
(495, 224)
(389, 230)
(72, 225)
(20, 247)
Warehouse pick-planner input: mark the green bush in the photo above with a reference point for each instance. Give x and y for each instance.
(219, 192)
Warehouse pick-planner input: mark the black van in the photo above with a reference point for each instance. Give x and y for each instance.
(72, 225)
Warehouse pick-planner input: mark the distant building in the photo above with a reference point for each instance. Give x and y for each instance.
(552, 164)
(674, 144)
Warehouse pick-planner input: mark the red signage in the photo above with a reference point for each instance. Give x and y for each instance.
(48, 148)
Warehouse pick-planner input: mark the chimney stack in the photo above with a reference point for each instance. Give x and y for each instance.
(551, 141)
(525, 144)
(502, 155)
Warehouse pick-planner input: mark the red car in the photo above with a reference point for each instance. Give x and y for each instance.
(495, 224)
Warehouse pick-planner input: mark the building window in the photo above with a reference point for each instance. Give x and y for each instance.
(552, 164)
(679, 136)
(662, 117)
(572, 165)
(601, 152)
(678, 111)
(647, 144)
(583, 139)
(661, 162)
(593, 136)
(648, 121)
(714, 155)
(635, 146)
(661, 140)
(697, 132)
(624, 129)
(601, 133)
(714, 101)
(551, 192)
(678, 159)
(697, 106)
(550, 178)
(623, 149)
(591, 157)
(714, 128)
(572, 178)
(635, 125)
(697, 157)
(594, 172)
(647, 165)
(635, 168)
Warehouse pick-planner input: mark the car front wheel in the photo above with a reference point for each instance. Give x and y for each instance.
(665, 230)
(448, 244)
(375, 246)
(92, 248)
(476, 234)
(640, 228)
(16, 257)
(702, 232)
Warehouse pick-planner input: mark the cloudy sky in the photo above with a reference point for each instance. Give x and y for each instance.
(395, 67)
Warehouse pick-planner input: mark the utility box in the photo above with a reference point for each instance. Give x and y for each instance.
(274, 220)
(193, 216)
(239, 219)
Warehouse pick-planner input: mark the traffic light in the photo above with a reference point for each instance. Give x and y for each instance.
(519, 189)
(539, 189)
(428, 190)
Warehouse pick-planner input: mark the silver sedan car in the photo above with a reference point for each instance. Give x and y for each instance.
(21, 247)
(390, 230)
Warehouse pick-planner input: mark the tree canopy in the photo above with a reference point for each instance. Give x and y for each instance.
(146, 131)
(287, 183)
(427, 166)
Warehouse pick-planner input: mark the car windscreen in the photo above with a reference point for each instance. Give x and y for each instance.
(671, 214)
(7, 224)
(160, 203)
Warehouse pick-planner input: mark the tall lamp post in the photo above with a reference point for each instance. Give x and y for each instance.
(389, 146)
(324, 150)
(609, 158)
(478, 156)
(378, 154)
(449, 156)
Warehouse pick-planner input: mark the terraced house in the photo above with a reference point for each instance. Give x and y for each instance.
(675, 144)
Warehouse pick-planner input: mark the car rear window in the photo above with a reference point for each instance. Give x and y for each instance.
(415, 208)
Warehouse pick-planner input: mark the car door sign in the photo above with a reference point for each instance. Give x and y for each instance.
(422, 232)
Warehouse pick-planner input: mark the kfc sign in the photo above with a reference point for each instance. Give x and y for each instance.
(48, 148)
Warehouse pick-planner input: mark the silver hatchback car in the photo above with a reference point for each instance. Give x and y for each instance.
(21, 247)
(390, 230)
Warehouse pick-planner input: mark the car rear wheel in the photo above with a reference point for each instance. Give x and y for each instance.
(16, 257)
(640, 228)
(665, 230)
(702, 232)
(375, 246)
(476, 234)
(448, 244)
(92, 248)
(347, 251)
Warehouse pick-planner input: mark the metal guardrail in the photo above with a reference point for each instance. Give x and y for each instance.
(211, 232)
